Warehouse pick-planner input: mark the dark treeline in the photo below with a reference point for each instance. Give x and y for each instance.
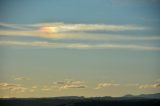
(79, 102)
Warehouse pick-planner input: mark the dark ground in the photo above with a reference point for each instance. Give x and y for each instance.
(79, 102)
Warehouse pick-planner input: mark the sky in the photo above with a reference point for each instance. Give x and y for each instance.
(86, 48)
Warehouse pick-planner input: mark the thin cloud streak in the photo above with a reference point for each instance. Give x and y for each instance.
(61, 27)
(148, 86)
(65, 27)
(106, 85)
(75, 36)
(71, 31)
(78, 45)
(73, 86)
(47, 89)
(13, 87)
(69, 84)
(21, 78)
(14, 26)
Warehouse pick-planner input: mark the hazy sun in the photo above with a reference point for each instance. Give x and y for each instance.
(49, 29)
(50, 32)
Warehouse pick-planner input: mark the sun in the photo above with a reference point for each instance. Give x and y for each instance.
(49, 30)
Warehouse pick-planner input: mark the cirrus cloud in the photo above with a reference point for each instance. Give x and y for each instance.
(79, 45)
(148, 86)
(21, 78)
(12, 87)
(67, 84)
(106, 85)
(67, 31)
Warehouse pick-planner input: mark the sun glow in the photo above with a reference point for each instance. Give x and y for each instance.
(50, 32)
(49, 29)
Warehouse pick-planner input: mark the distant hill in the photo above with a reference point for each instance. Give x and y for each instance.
(142, 96)
(156, 96)
(129, 96)
(127, 100)
(70, 97)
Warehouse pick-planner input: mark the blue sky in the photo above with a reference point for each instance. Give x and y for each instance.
(79, 47)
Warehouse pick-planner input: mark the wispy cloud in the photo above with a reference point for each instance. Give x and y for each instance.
(33, 89)
(62, 27)
(66, 84)
(12, 87)
(14, 26)
(146, 86)
(132, 84)
(21, 78)
(76, 36)
(46, 89)
(65, 27)
(71, 31)
(77, 32)
(79, 45)
(20, 33)
(106, 85)
(73, 86)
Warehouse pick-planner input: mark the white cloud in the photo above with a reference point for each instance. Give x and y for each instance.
(66, 84)
(32, 90)
(62, 27)
(146, 86)
(20, 33)
(14, 26)
(21, 78)
(46, 89)
(12, 87)
(79, 45)
(157, 81)
(132, 84)
(76, 36)
(73, 86)
(67, 31)
(34, 87)
(106, 85)
(75, 32)
(65, 27)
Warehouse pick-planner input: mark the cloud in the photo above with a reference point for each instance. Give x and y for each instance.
(132, 84)
(68, 27)
(66, 84)
(79, 45)
(20, 33)
(157, 81)
(14, 26)
(34, 87)
(21, 78)
(62, 27)
(73, 86)
(32, 90)
(146, 86)
(46, 89)
(12, 87)
(106, 85)
(76, 36)
(71, 31)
